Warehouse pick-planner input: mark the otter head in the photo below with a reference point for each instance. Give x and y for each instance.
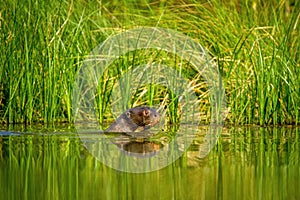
(143, 116)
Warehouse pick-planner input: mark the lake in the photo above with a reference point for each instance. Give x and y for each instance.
(247, 162)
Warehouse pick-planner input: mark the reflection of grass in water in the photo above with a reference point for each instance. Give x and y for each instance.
(255, 45)
(259, 162)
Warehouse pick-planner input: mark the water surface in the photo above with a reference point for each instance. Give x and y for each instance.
(246, 163)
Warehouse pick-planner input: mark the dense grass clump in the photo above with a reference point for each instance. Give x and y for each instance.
(255, 44)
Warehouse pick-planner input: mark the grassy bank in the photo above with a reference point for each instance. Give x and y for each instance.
(255, 44)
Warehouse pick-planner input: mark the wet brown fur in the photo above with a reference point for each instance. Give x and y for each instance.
(138, 118)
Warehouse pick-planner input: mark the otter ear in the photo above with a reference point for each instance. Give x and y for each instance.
(128, 114)
(146, 112)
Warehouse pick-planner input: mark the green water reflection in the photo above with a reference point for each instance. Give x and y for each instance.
(246, 163)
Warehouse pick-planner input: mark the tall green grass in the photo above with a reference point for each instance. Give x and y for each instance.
(255, 44)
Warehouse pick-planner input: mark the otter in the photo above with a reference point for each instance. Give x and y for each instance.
(135, 119)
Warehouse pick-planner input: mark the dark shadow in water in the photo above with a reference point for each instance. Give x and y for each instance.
(137, 144)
